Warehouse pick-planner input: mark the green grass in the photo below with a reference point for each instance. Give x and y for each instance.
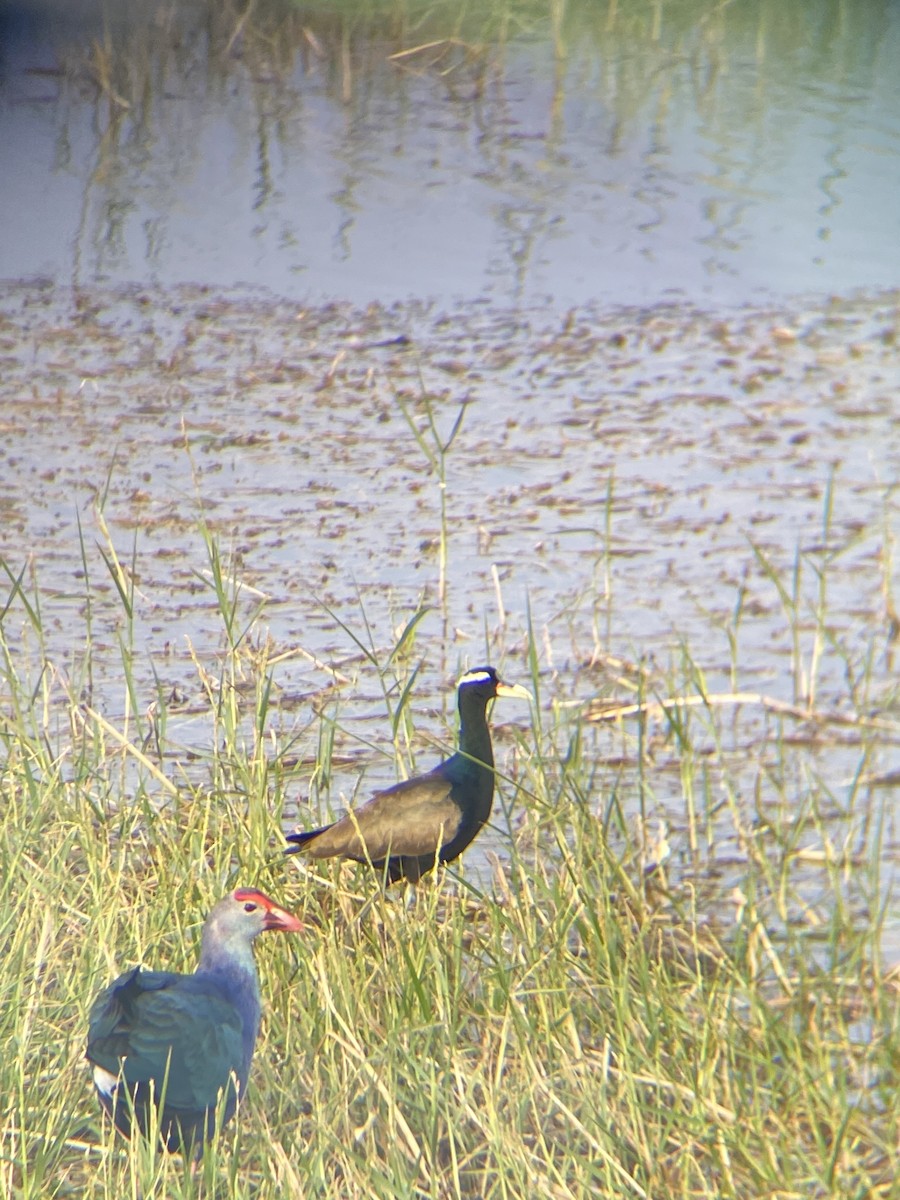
(578, 1026)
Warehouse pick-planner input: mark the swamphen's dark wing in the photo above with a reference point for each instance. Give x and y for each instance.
(154, 1025)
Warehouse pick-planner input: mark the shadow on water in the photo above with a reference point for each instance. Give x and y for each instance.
(577, 152)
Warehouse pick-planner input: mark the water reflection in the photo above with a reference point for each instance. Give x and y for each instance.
(586, 151)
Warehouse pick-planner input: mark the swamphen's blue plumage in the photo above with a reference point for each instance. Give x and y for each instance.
(432, 817)
(187, 1039)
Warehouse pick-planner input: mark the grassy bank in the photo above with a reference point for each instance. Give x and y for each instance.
(579, 1022)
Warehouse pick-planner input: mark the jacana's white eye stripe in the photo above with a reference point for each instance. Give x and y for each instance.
(476, 677)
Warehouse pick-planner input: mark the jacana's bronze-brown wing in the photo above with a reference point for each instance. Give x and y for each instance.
(411, 818)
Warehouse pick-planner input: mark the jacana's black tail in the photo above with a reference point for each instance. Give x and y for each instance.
(301, 837)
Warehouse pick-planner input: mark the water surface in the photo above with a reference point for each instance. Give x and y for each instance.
(627, 154)
(696, 506)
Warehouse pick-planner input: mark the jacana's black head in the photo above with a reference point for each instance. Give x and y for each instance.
(484, 683)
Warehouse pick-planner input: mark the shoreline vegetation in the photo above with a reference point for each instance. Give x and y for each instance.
(593, 1021)
(462, 47)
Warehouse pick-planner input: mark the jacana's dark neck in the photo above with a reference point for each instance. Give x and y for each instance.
(474, 735)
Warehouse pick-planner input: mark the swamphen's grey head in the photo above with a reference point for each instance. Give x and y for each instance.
(244, 914)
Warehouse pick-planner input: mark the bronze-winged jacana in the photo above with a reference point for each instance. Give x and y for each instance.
(406, 828)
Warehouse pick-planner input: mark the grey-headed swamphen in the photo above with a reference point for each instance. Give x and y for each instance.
(185, 1040)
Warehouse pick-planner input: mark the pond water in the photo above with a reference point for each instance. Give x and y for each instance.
(651, 257)
(625, 153)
